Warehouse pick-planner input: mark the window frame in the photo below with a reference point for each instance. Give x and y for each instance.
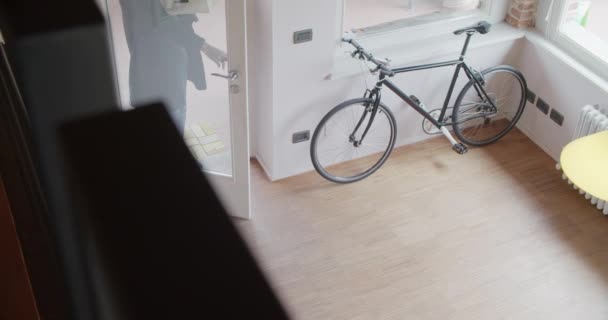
(553, 19)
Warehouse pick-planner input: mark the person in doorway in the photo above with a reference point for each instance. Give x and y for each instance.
(165, 54)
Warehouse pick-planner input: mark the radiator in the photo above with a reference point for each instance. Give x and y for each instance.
(592, 119)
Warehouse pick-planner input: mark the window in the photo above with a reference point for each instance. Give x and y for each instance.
(580, 27)
(372, 17)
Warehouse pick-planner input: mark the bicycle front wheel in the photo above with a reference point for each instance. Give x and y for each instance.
(338, 151)
(480, 119)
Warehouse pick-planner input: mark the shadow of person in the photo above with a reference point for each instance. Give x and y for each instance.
(165, 54)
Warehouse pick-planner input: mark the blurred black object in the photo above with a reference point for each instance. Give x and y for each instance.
(161, 245)
(141, 236)
(59, 55)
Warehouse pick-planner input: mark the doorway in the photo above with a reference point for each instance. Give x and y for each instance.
(193, 58)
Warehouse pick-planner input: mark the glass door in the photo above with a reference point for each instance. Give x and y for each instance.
(190, 54)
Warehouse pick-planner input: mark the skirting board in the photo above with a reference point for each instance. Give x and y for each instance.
(264, 167)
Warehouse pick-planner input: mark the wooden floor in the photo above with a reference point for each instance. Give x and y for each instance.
(493, 234)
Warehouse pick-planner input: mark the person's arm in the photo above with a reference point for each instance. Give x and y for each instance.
(216, 55)
(184, 25)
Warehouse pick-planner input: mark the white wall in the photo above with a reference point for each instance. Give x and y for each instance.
(302, 96)
(564, 84)
(260, 80)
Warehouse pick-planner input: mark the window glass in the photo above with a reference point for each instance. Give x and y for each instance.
(365, 16)
(166, 51)
(586, 24)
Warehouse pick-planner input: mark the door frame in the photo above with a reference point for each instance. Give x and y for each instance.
(238, 185)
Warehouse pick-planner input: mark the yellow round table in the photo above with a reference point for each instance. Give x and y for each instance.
(585, 163)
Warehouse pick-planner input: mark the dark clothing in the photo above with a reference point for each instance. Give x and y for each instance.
(165, 53)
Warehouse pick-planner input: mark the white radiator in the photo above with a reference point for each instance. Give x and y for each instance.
(592, 119)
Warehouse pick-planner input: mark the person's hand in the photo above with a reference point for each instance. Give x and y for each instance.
(216, 55)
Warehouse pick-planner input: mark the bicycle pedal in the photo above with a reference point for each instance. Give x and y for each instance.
(460, 148)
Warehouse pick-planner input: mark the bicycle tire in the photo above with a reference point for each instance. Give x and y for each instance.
(460, 126)
(314, 154)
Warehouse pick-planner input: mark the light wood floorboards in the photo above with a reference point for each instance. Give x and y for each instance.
(493, 234)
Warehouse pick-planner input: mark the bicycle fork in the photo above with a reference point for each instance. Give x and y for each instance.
(375, 106)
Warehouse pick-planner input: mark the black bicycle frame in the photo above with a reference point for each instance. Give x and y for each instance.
(460, 65)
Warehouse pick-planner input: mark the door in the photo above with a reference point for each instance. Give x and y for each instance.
(192, 56)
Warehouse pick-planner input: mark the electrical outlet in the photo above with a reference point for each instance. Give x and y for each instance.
(531, 96)
(302, 36)
(300, 136)
(557, 117)
(542, 106)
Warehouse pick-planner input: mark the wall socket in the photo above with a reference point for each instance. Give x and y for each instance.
(531, 96)
(302, 36)
(300, 136)
(542, 106)
(557, 117)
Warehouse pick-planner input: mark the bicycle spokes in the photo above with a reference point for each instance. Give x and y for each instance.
(481, 120)
(352, 140)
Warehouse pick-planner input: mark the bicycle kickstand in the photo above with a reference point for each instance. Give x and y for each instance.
(458, 147)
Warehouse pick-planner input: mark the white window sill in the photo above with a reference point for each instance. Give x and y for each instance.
(420, 49)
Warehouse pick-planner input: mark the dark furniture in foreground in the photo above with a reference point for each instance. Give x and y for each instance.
(160, 243)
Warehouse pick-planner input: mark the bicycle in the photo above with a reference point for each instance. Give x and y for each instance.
(356, 137)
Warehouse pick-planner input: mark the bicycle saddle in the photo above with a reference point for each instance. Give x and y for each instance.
(482, 27)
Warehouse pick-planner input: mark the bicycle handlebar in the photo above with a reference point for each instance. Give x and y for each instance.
(369, 57)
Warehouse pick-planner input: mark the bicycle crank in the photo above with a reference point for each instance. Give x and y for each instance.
(458, 147)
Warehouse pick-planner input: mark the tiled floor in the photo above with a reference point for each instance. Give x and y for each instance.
(208, 147)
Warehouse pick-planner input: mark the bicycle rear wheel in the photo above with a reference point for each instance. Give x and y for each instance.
(336, 149)
(479, 121)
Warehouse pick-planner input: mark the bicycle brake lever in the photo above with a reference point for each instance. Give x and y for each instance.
(358, 54)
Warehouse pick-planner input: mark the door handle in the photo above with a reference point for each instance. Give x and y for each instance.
(232, 75)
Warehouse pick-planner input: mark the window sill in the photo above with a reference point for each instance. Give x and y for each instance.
(587, 40)
(427, 22)
(420, 49)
